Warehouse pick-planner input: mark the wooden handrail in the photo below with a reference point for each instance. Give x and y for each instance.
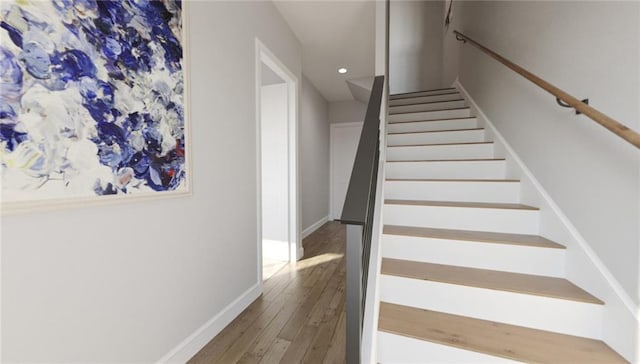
(613, 125)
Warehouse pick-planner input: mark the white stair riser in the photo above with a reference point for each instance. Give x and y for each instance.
(418, 99)
(463, 218)
(507, 192)
(433, 125)
(453, 170)
(542, 313)
(395, 349)
(481, 150)
(423, 93)
(452, 104)
(503, 257)
(431, 115)
(441, 152)
(462, 136)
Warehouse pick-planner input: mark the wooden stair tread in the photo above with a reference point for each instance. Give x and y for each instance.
(485, 205)
(437, 144)
(433, 131)
(430, 120)
(472, 236)
(552, 287)
(419, 112)
(446, 160)
(420, 94)
(493, 338)
(405, 94)
(429, 90)
(451, 180)
(426, 103)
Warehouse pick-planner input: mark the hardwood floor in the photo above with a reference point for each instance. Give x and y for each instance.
(300, 316)
(270, 267)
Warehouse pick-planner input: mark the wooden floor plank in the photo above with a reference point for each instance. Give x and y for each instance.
(338, 346)
(299, 346)
(263, 342)
(292, 296)
(239, 346)
(319, 347)
(226, 337)
(483, 278)
(299, 318)
(246, 320)
(248, 358)
(276, 351)
(493, 338)
(309, 292)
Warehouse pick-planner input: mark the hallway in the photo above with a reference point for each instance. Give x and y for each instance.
(300, 315)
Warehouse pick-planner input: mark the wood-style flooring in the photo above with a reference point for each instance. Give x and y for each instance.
(300, 316)
(270, 267)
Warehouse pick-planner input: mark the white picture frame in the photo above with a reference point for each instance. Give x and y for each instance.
(10, 206)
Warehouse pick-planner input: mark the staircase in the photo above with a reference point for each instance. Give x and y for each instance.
(465, 277)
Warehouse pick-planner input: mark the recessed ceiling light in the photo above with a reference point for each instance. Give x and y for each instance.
(342, 70)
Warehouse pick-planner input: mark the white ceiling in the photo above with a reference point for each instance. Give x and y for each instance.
(333, 34)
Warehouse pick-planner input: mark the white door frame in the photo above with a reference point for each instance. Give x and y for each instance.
(332, 130)
(264, 56)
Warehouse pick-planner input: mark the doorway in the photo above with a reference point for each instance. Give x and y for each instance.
(276, 105)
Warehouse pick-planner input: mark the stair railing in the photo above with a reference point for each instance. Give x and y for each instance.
(562, 98)
(358, 215)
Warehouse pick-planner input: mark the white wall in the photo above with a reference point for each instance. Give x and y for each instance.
(344, 145)
(314, 155)
(346, 118)
(415, 43)
(129, 282)
(347, 111)
(589, 49)
(269, 77)
(275, 170)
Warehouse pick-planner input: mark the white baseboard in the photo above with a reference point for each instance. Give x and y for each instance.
(198, 339)
(315, 226)
(621, 329)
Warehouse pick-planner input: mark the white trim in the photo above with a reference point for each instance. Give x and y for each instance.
(264, 56)
(556, 209)
(369, 350)
(369, 344)
(315, 226)
(199, 338)
(332, 127)
(594, 263)
(258, 88)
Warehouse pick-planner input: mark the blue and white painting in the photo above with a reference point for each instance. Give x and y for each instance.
(91, 98)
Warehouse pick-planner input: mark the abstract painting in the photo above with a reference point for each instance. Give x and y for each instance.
(92, 99)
